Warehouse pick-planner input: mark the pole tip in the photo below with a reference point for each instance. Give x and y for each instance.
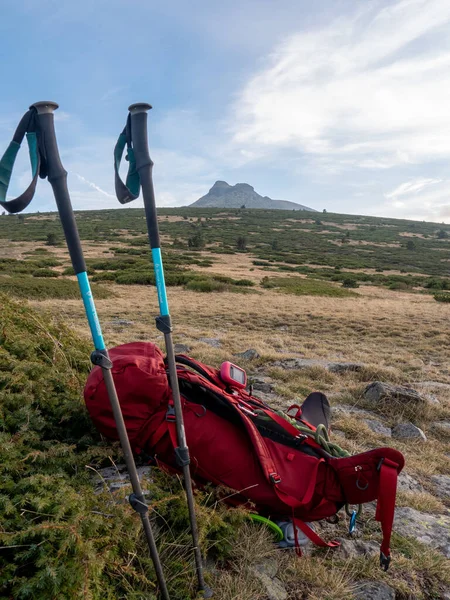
(139, 107)
(45, 106)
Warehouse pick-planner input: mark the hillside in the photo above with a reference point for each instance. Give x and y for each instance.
(223, 195)
(326, 302)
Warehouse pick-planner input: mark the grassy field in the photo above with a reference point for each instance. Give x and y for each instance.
(289, 284)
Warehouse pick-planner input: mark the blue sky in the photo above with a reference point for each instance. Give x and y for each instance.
(343, 105)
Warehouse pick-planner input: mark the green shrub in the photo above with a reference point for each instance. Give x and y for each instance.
(45, 273)
(43, 288)
(136, 278)
(244, 282)
(205, 285)
(399, 286)
(350, 283)
(59, 537)
(305, 287)
(442, 297)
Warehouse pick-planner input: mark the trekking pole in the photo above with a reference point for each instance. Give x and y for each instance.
(44, 154)
(140, 174)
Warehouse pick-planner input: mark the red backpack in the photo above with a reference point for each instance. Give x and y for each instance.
(238, 441)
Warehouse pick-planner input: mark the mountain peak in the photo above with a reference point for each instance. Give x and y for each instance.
(224, 195)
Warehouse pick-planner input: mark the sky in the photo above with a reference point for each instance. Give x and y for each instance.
(340, 105)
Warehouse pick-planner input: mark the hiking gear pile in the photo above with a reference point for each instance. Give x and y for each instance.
(275, 462)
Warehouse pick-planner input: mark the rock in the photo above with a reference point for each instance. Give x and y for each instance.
(250, 354)
(116, 477)
(351, 548)
(338, 432)
(374, 590)
(121, 323)
(340, 409)
(181, 349)
(442, 485)
(266, 572)
(442, 427)
(432, 530)
(406, 483)
(433, 384)
(378, 427)
(379, 392)
(262, 384)
(405, 431)
(214, 342)
(344, 367)
(307, 363)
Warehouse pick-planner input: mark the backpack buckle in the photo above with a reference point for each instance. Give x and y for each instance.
(275, 478)
(170, 414)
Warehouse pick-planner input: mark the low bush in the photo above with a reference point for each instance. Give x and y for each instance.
(46, 288)
(442, 297)
(45, 273)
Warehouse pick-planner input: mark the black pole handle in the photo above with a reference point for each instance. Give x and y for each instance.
(57, 177)
(138, 113)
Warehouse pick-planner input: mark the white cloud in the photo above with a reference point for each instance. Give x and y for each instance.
(370, 91)
(411, 187)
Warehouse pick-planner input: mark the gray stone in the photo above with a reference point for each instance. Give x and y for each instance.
(374, 590)
(214, 342)
(181, 349)
(442, 427)
(115, 478)
(405, 431)
(338, 433)
(351, 548)
(406, 483)
(433, 384)
(262, 384)
(442, 486)
(250, 354)
(378, 427)
(307, 363)
(266, 573)
(379, 392)
(432, 530)
(339, 409)
(121, 323)
(344, 367)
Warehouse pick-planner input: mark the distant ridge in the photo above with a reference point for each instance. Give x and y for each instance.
(223, 195)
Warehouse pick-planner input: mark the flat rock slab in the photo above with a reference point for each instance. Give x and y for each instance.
(432, 530)
(121, 323)
(379, 392)
(433, 384)
(250, 354)
(406, 483)
(181, 349)
(117, 477)
(442, 486)
(340, 409)
(407, 431)
(351, 548)
(307, 363)
(378, 427)
(266, 573)
(374, 590)
(214, 342)
(262, 384)
(442, 427)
